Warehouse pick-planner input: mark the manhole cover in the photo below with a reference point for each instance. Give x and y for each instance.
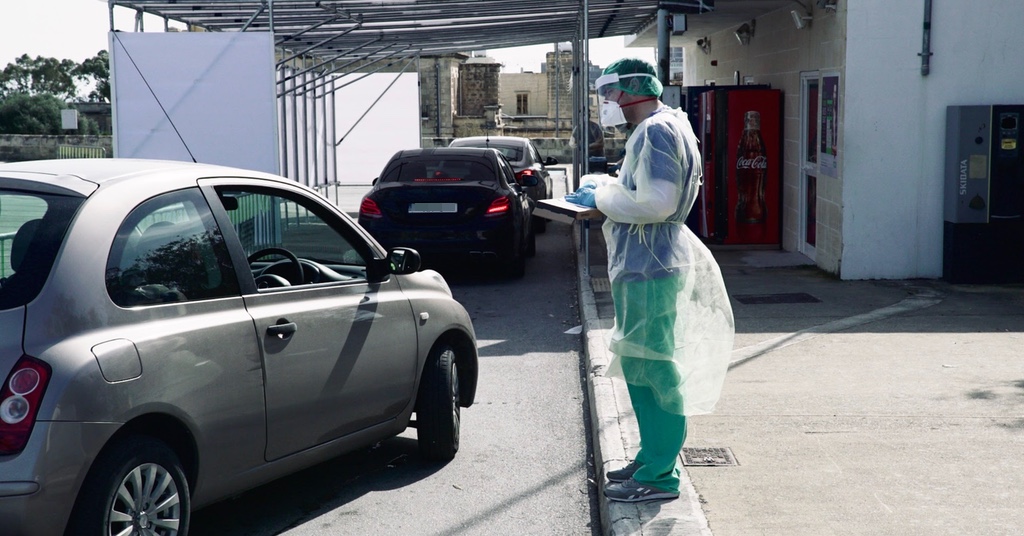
(760, 299)
(600, 284)
(708, 456)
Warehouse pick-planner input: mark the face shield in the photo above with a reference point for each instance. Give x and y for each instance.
(607, 83)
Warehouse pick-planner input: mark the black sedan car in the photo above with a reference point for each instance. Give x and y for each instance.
(453, 205)
(526, 161)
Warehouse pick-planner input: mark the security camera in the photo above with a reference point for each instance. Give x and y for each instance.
(800, 21)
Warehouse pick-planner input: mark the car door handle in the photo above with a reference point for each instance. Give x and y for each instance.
(282, 330)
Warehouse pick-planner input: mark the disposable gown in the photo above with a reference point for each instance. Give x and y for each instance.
(672, 307)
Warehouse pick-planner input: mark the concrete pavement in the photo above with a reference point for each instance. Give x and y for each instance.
(851, 407)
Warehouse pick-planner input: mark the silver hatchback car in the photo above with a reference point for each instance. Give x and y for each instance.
(172, 334)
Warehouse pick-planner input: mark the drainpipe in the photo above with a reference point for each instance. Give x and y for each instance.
(437, 95)
(926, 53)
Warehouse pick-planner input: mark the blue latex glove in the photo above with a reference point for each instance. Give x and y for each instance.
(584, 197)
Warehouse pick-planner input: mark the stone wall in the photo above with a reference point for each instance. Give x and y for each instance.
(559, 78)
(478, 87)
(533, 85)
(17, 147)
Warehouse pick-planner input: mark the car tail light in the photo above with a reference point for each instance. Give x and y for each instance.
(20, 397)
(369, 208)
(499, 206)
(524, 173)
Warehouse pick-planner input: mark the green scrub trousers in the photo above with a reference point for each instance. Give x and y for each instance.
(646, 312)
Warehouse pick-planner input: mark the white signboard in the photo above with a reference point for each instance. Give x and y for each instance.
(203, 96)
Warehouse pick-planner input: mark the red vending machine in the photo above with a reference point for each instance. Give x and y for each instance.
(741, 144)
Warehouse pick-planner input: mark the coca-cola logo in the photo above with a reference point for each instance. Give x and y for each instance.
(757, 162)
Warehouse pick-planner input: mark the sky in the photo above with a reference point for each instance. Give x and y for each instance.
(77, 30)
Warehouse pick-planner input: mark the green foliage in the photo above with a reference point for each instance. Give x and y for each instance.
(34, 90)
(38, 76)
(60, 78)
(22, 113)
(97, 70)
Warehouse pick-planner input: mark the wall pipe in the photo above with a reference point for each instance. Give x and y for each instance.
(926, 52)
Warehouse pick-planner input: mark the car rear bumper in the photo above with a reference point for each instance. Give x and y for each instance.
(494, 243)
(38, 486)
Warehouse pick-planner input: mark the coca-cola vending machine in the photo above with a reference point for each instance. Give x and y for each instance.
(741, 144)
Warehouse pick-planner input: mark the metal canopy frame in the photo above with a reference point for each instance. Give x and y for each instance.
(335, 29)
(321, 41)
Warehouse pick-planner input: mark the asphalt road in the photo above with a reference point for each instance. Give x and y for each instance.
(524, 464)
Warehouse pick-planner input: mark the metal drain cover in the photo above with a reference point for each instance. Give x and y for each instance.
(708, 456)
(762, 299)
(600, 284)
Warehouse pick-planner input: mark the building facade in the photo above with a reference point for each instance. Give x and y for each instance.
(868, 191)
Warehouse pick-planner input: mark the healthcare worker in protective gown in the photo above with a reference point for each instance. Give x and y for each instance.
(674, 329)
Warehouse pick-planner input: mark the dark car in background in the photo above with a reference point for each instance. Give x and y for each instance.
(453, 205)
(526, 161)
(172, 334)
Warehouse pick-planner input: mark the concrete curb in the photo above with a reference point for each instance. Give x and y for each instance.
(615, 432)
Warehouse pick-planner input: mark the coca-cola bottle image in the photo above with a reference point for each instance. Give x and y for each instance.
(751, 170)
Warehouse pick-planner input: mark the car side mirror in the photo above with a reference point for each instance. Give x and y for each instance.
(551, 161)
(399, 261)
(404, 261)
(529, 180)
(374, 181)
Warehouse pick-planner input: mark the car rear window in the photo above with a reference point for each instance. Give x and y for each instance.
(32, 227)
(439, 171)
(513, 153)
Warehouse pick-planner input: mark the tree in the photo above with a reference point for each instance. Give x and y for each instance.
(60, 78)
(22, 113)
(39, 76)
(97, 70)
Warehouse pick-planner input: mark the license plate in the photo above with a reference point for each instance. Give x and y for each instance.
(433, 208)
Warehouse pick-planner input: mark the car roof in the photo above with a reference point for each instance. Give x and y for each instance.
(84, 174)
(447, 152)
(494, 139)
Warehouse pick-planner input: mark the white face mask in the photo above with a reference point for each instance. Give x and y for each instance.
(611, 114)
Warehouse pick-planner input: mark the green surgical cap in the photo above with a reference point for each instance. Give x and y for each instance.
(635, 85)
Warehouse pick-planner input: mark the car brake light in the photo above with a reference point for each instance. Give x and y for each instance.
(500, 205)
(20, 397)
(369, 208)
(525, 173)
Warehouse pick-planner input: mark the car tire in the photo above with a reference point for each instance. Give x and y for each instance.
(540, 224)
(516, 268)
(438, 415)
(121, 474)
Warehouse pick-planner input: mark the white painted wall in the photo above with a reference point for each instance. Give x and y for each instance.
(894, 121)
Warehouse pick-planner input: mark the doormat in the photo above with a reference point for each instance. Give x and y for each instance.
(764, 299)
(708, 456)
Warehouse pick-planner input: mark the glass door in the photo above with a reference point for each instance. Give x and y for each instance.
(808, 165)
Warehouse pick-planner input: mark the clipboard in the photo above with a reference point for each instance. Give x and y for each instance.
(559, 210)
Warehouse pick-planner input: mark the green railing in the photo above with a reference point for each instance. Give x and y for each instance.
(81, 151)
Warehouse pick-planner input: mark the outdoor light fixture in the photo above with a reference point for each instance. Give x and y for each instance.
(704, 44)
(828, 5)
(800, 21)
(745, 32)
